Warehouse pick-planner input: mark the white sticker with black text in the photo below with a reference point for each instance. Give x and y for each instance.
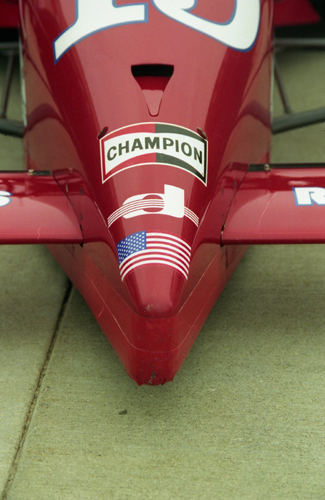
(154, 143)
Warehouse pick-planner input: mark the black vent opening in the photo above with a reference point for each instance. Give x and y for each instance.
(160, 70)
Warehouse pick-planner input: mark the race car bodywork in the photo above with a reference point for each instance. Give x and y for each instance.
(147, 140)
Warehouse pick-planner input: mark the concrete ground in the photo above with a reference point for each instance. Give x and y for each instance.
(243, 419)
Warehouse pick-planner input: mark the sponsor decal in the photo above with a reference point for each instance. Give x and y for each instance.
(148, 143)
(5, 198)
(239, 32)
(144, 248)
(97, 15)
(305, 196)
(171, 203)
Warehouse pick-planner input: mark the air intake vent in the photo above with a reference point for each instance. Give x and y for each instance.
(157, 70)
(153, 79)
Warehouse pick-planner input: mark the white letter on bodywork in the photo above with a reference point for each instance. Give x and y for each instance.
(239, 32)
(309, 196)
(4, 198)
(96, 15)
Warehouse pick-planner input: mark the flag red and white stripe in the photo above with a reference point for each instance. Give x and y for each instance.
(140, 249)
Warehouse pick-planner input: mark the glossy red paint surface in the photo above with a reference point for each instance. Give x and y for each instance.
(294, 12)
(9, 14)
(281, 205)
(35, 210)
(133, 154)
(152, 350)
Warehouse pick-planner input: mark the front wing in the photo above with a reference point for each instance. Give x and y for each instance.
(34, 209)
(273, 204)
(278, 204)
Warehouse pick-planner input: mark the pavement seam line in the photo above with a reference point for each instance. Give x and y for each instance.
(30, 413)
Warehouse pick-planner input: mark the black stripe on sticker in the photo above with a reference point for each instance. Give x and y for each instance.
(164, 128)
(171, 160)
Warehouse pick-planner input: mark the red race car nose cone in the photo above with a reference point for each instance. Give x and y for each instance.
(154, 266)
(155, 290)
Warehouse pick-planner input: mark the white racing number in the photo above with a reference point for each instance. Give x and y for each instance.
(239, 32)
(97, 15)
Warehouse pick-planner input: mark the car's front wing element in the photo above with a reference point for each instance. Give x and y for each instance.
(278, 204)
(34, 209)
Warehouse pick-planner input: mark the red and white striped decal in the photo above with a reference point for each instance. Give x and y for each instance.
(154, 204)
(160, 248)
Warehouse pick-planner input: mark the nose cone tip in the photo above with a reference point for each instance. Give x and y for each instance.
(155, 290)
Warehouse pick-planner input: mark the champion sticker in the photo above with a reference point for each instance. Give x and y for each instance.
(154, 143)
(171, 203)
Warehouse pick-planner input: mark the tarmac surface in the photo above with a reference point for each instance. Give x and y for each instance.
(243, 419)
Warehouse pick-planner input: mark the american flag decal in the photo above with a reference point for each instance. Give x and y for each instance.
(142, 248)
